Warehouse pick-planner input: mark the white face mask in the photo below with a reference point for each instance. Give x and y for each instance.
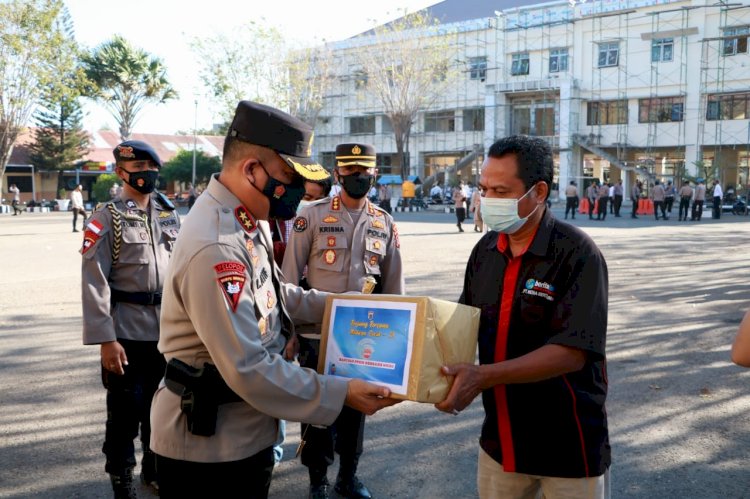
(302, 204)
(501, 214)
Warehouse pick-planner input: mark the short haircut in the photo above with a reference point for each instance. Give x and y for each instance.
(237, 150)
(325, 184)
(533, 157)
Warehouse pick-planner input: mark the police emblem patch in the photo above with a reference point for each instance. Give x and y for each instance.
(233, 267)
(300, 224)
(329, 256)
(232, 286)
(330, 219)
(378, 224)
(125, 152)
(89, 240)
(331, 241)
(279, 191)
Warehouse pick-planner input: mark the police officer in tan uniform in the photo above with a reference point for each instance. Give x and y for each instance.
(126, 248)
(342, 241)
(226, 322)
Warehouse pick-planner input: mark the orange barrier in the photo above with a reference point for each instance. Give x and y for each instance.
(583, 206)
(645, 207)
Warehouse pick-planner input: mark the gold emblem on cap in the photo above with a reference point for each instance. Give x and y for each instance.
(356, 150)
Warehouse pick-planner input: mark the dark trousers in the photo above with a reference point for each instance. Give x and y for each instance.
(697, 210)
(659, 205)
(16, 209)
(591, 207)
(716, 208)
(618, 204)
(76, 212)
(386, 205)
(248, 478)
(345, 436)
(129, 403)
(684, 205)
(602, 213)
(668, 203)
(571, 203)
(635, 208)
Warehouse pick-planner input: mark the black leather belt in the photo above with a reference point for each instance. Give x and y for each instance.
(138, 298)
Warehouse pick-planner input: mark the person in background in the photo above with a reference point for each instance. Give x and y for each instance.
(476, 200)
(657, 196)
(384, 196)
(617, 201)
(571, 199)
(669, 194)
(76, 201)
(459, 203)
(699, 198)
(718, 196)
(592, 193)
(635, 196)
(686, 194)
(13, 189)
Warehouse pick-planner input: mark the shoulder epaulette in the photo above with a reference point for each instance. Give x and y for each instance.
(165, 201)
(116, 231)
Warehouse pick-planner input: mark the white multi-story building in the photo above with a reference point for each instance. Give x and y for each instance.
(619, 88)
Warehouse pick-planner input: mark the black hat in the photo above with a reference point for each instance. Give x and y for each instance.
(355, 155)
(136, 150)
(268, 127)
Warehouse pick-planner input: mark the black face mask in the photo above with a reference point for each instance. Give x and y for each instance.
(356, 185)
(284, 198)
(143, 182)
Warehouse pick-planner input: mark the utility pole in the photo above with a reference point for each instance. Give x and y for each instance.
(195, 139)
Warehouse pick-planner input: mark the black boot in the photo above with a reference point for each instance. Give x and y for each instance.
(122, 485)
(318, 484)
(149, 476)
(347, 483)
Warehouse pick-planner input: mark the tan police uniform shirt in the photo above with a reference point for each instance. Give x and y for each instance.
(686, 191)
(657, 193)
(223, 304)
(571, 191)
(340, 252)
(700, 192)
(145, 247)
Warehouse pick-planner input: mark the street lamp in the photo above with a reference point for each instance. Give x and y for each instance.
(195, 139)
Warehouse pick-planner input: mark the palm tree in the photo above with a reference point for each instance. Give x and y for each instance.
(124, 79)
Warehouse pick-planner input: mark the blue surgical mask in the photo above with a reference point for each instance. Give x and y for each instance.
(501, 214)
(302, 204)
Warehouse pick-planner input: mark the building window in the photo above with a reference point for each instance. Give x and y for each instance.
(662, 49)
(613, 112)
(737, 44)
(328, 160)
(360, 80)
(22, 182)
(728, 107)
(609, 54)
(558, 60)
(385, 124)
(478, 68)
(661, 110)
(361, 124)
(474, 119)
(440, 121)
(520, 64)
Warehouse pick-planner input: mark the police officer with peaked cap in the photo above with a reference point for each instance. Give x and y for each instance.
(342, 241)
(226, 321)
(127, 244)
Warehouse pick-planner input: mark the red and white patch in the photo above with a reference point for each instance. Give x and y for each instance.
(95, 227)
(88, 242)
(233, 267)
(279, 191)
(232, 286)
(331, 241)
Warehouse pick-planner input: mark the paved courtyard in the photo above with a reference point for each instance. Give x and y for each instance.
(678, 408)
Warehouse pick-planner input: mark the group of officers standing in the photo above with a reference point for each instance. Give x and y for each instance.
(196, 321)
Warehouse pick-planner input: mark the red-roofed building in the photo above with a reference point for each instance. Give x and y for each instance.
(41, 185)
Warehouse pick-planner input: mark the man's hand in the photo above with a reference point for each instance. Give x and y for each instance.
(467, 384)
(113, 357)
(368, 398)
(291, 349)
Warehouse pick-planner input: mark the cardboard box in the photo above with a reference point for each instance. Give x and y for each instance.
(397, 341)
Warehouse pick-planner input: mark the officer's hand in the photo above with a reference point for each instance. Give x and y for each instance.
(113, 357)
(466, 386)
(368, 398)
(291, 349)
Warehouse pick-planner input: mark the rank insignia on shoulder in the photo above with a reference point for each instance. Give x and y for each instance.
(231, 286)
(300, 224)
(164, 214)
(245, 219)
(378, 224)
(330, 219)
(329, 257)
(336, 203)
(331, 241)
(370, 209)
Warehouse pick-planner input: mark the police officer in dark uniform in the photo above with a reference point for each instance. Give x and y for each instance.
(345, 242)
(126, 248)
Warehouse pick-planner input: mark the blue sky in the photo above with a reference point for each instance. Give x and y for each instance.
(163, 28)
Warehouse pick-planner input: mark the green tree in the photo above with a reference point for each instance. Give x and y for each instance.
(180, 167)
(59, 139)
(124, 79)
(407, 65)
(29, 38)
(102, 185)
